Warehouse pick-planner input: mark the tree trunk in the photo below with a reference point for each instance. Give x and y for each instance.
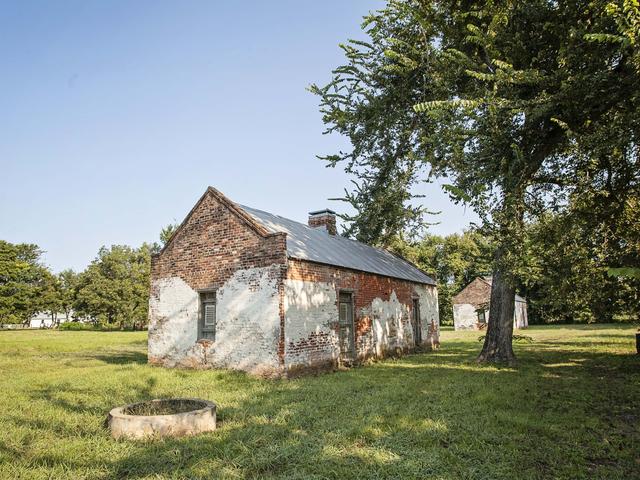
(498, 341)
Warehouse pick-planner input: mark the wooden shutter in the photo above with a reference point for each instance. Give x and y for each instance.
(207, 321)
(209, 314)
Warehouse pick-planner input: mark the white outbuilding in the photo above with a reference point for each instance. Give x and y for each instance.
(472, 305)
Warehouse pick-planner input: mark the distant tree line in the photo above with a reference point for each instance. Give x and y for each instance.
(566, 278)
(112, 291)
(566, 273)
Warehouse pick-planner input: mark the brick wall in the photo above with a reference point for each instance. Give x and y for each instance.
(218, 248)
(213, 244)
(383, 308)
(273, 315)
(477, 293)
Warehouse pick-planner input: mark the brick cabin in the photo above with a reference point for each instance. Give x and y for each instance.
(471, 306)
(240, 288)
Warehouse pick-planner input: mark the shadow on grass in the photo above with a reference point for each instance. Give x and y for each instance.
(59, 395)
(585, 327)
(562, 412)
(120, 358)
(423, 415)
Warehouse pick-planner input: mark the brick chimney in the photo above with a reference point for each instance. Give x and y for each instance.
(325, 219)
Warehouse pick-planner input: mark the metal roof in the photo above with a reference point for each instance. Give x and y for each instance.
(317, 245)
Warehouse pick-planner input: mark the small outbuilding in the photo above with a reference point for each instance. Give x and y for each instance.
(236, 287)
(471, 306)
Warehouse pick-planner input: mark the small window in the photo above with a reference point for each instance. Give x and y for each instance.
(207, 322)
(481, 317)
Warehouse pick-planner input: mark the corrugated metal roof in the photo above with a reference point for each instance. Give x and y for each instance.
(316, 245)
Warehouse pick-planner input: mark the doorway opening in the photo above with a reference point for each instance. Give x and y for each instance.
(415, 322)
(346, 327)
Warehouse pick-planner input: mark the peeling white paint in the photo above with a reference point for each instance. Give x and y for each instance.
(311, 317)
(429, 314)
(391, 324)
(465, 316)
(173, 318)
(247, 323)
(248, 320)
(310, 314)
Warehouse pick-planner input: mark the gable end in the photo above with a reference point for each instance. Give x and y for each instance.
(232, 207)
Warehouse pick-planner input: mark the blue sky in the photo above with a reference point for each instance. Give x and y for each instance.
(117, 115)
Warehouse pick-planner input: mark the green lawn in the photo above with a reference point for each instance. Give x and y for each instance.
(569, 410)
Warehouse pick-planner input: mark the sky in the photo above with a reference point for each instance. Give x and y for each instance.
(116, 116)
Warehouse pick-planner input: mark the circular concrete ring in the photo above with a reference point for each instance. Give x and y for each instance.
(132, 421)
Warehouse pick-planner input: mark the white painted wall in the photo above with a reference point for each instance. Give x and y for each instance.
(247, 323)
(391, 324)
(173, 320)
(520, 319)
(310, 312)
(429, 314)
(465, 316)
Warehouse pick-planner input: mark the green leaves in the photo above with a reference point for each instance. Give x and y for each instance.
(114, 289)
(23, 281)
(625, 272)
(167, 232)
(447, 105)
(605, 38)
(456, 193)
(404, 60)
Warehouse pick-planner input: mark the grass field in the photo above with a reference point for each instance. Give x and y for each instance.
(571, 409)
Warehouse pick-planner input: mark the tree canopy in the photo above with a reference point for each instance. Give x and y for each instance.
(114, 289)
(521, 105)
(455, 260)
(22, 281)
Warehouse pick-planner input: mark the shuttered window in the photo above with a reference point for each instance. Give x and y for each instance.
(207, 321)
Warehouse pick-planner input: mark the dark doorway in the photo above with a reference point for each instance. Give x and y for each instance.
(346, 327)
(415, 322)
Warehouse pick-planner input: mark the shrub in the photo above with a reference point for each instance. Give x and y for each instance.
(75, 326)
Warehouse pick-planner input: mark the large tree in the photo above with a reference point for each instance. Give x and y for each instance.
(511, 101)
(68, 291)
(50, 297)
(22, 281)
(114, 289)
(570, 255)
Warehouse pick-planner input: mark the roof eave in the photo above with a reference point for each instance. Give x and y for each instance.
(395, 277)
